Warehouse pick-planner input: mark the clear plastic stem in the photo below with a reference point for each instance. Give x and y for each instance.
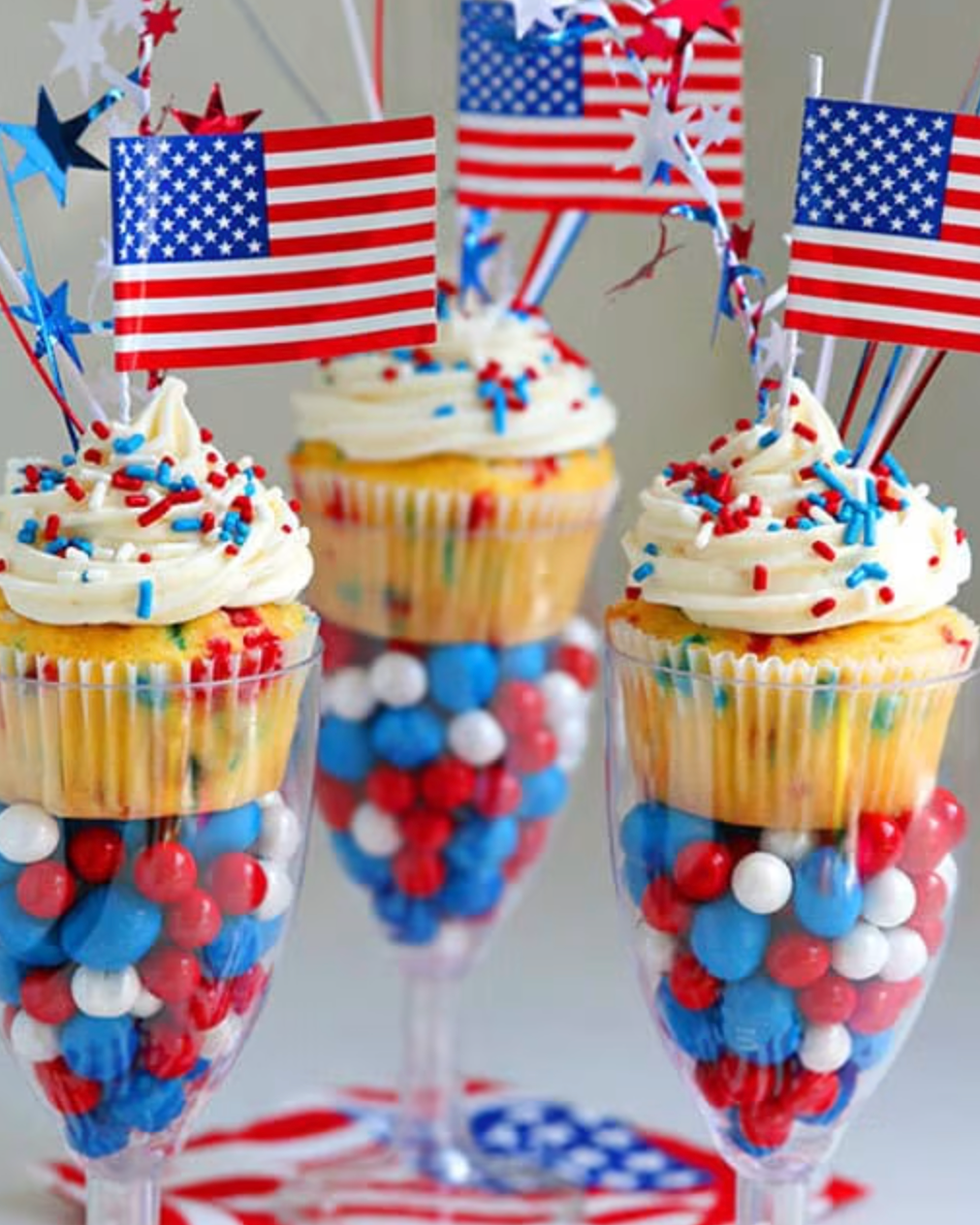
(112, 1201)
(771, 1203)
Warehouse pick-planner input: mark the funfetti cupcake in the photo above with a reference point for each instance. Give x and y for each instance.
(768, 563)
(148, 559)
(456, 492)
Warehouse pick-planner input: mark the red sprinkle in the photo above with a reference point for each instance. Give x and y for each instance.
(576, 405)
(760, 579)
(389, 374)
(743, 423)
(212, 457)
(295, 506)
(74, 490)
(259, 471)
(804, 430)
(934, 561)
(824, 550)
(100, 430)
(633, 593)
(738, 461)
(719, 442)
(52, 526)
(121, 481)
(144, 558)
(755, 505)
(287, 529)
(92, 455)
(207, 522)
(794, 400)
(206, 436)
(137, 499)
(886, 595)
(232, 469)
(231, 549)
(217, 480)
(960, 535)
(823, 607)
(807, 473)
(3, 565)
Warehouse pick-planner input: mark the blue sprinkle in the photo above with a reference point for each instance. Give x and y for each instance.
(870, 528)
(126, 446)
(714, 472)
(595, 391)
(643, 572)
(896, 469)
(828, 478)
(871, 493)
(186, 525)
(403, 355)
(77, 542)
(774, 527)
(805, 525)
(144, 603)
(857, 576)
(853, 533)
(768, 438)
(142, 472)
(68, 461)
(710, 503)
(164, 472)
(462, 366)
(842, 456)
(816, 499)
(444, 410)
(875, 570)
(56, 546)
(28, 532)
(651, 550)
(188, 482)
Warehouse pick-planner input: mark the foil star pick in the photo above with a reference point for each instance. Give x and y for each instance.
(55, 324)
(51, 146)
(215, 121)
(655, 148)
(529, 12)
(159, 24)
(696, 15)
(81, 43)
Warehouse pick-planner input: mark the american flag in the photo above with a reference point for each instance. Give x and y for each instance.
(281, 246)
(886, 240)
(257, 1174)
(540, 126)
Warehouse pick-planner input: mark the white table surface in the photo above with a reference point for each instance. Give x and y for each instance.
(554, 1009)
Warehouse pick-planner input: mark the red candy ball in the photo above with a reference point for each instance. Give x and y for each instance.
(880, 841)
(46, 996)
(931, 896)
(829, 1001)
(749, 1083)
(952, 814)
(419, 873)
(813, 1093)
(926, 842)
(168, 1052)
(335, 800)
(209, 1005)
(194, 921)
(712, 1086)
(238, 882)
(339, 646)
(702, 870)
(665, 908)
(392, 790)
(532, 751)
(767, 1124)
(879, 1006)
(692, 985)
(497, 793)
(427, 828)
(932, 931)
(519, 707)
(45, 890)
(97, 854)
(578, 662)
(67, 1093)
(170, 974)
(165, 872)
(533, 837)
(248, 988)
(448, 784)
(797, 959)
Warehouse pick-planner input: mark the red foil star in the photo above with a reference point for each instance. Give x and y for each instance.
(742, 237)
(215, 121)
(651, 42)
(157, 25)
(695, 15)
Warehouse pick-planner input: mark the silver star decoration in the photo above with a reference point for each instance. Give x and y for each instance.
(124, 14)
(81, 44)
(130, 90)
(527, 12)
(714, 126)
(776, 350)
(655, 137)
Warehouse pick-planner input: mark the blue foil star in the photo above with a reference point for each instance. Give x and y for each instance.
(479, 245)
(55, 324)
(51, 146)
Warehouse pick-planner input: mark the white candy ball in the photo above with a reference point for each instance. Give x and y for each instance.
(564, 697)
(889, 898)
(223, 1038)
(28, 834)
(34, 1041)
(762, 883)
(374, 831)
(572, 735)
(789, 844)
(477, 738)
(581, 633)
(326, 696)
(825, 1048)
(351, 695)
(279, 892)
(950, 874)
(399, 679)
(101, 993)
(656, 952)
(281, 834)
(861, 953)
(908, 955)
(147, 1005)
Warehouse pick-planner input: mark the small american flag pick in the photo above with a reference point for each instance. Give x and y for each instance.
(250, 248)
(541, 124)
(886, 237)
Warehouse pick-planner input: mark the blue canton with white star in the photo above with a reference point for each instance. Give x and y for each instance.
(498, 77)
(873, 169)
(189, 199)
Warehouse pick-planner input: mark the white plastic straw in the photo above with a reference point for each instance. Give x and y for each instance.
(365, 75)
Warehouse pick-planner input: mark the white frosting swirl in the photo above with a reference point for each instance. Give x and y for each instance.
(876, 550)
(440, 400)
(213, 536)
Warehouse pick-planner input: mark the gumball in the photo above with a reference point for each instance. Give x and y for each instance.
(932, 931)
(481, 846)
(168, 1052)
(711, 1085)
(563, 696)
(99, 1049)
(393, 791)
(235, 949)
(665, 908)
(464, 676)
(931, 896)
(148, 1104)
(447, 784)
(398, 679)
(210, 1004)
(746, 1082)
(419, 873)
(907, 956)
(543, 794)
(889, 898)
(279, 895)
(97, 854)
(165, 872)
(524, 663)
(533, 839)
(825, 1048)
(496, 792)
(796, 959)
(222, 1039)
(101, 993)
(828, 897)
(767, 1125)
(28, 834)
(760, 1021)
(729, 940)
(147, 1005)
(471, 895)
(829, 1001)
(681, 829)
(950, 873)
(656, 951)
(237, 882)
(926, 842)
(698, 1034)
(281, 833)
(427, 829)
(94, 1136)
(371, 871)
(194, 921)
(860, 954)
(409, 738)
(336, 800)
(46, 995)
(477, 738)
(218, 833)
(344, 750)
(11, 977)
(9, 871)
(868, 1050)
(692, 985)
(702, 870)
(68, 1094)
(812, 1093)
(951, 813)
(33, 941)
(641, 834)
(880, 843)
(45, 890)
(573, 739)
(33, 1041)
(790, 845)
(374, 831)
(580, 632)
(111, 928)
(171, 974)
(762, 883)
(578, 662)
(350, 695)
(248, 989)
(519, 707)
(534, 750)
(339, 645)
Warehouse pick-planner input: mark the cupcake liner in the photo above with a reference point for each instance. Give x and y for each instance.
(782, 744)
(432, 566)
(121, 740)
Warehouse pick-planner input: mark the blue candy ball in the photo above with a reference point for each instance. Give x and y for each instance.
(235, 949)
(543, 794)
(641, 834)
(408, 738)
(636, 877)
(680, 830)
(8, 871)
(463, 677)
(828, 897)
(698, 1034)
(11, 976)
(479, 845)
(867, 1050)
(197, 1072)
(728, 940)
(147, 1103)
(270, 933)
(528, 662)
(469, 895)
(33, 941)
(95, 1135)
(370, 871)
(847, 1079)
(99, 1049)
(410, 920)
(737, 1137)
(219, 833)
(111, 928)
(344, 749)
(760, 1021)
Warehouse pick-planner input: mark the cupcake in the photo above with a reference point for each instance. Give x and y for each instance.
(456, 492)
(148, 560)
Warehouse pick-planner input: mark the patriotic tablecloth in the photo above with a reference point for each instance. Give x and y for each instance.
(629, 1175)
